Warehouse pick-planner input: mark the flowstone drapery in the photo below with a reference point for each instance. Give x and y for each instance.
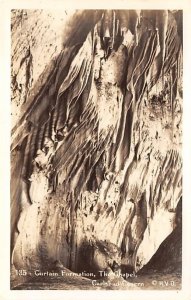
(96, 139)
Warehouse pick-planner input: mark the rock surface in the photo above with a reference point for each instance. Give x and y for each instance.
(96, 164)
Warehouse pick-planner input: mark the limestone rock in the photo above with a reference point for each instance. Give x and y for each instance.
(96, 138)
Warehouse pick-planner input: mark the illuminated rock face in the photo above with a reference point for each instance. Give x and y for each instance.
(96, 142)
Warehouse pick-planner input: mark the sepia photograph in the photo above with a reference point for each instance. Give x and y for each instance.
(96, 164)
(96, 150)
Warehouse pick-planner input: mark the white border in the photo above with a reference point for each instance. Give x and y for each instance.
(5, 292)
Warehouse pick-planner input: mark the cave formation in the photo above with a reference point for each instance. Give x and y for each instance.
(96, 166)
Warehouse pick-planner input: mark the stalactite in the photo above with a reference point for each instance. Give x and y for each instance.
(96, 137)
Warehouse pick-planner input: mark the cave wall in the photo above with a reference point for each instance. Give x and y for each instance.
(96, 139)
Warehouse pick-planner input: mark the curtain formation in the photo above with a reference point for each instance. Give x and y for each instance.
(96, 153)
